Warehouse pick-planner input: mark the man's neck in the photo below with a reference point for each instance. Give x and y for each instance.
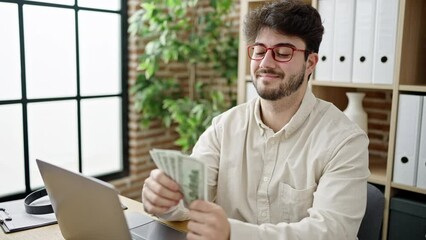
(276, 114)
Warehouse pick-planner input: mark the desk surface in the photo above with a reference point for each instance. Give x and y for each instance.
(53, 232)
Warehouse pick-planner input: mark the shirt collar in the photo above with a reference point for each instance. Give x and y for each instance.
(259, 122)
(306, 107)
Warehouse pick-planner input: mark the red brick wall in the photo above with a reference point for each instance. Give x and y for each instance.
(378, 105)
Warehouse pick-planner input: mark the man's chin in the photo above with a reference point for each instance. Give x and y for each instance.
(268, 94)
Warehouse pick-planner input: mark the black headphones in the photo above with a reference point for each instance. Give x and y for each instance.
(40, 209)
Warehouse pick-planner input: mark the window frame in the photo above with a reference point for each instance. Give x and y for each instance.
(24, 101)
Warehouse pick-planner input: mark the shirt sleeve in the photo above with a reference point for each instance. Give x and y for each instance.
(339, 201)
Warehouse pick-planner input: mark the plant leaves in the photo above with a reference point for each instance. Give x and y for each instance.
(184, 31)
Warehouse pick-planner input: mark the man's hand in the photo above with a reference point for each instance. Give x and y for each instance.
(208, 221)
(160, 193)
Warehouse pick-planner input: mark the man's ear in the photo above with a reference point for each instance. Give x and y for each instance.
(311, 62)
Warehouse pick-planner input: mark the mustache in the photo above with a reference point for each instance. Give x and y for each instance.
(269, 71)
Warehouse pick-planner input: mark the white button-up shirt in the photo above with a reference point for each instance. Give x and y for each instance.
(306, 181)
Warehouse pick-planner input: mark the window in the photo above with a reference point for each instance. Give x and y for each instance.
(63, 90)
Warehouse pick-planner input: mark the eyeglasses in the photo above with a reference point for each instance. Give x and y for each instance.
(279, 53)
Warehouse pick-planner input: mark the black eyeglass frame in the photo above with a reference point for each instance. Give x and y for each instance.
(294, 49)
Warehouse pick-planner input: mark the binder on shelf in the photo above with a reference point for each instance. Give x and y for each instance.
(344, 22)
(421, 167)
(385, 41)
(365, 17)
(324, 68)
(407, 139)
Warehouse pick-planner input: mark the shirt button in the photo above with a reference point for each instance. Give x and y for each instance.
(265, 179)
(263, 214)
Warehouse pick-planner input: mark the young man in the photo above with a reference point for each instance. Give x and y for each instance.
(285, 165)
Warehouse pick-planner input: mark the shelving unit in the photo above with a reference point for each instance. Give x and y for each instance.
(410, 76)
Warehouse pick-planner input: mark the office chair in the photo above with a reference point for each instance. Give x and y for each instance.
(371, 224)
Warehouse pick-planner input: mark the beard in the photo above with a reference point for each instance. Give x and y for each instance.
(285, 88)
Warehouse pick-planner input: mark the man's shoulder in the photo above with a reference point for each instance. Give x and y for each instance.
(240, 112)
(328, 117)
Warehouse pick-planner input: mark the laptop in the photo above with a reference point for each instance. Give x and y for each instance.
(87, 208)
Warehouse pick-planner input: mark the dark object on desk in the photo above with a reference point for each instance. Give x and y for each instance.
(37, 209)
(407, 219)
(371, 224)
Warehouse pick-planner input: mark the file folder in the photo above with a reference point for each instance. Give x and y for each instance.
(344, 22)
(365, 16)
(421, 167)
(385, 42)
(324, 68)
(407, 139)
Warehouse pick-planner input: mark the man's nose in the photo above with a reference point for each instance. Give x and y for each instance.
(268, 61)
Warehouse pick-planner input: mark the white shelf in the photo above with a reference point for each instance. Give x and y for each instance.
(352, 85)
(413, 88)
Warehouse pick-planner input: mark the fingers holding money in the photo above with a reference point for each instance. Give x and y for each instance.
(178, 170)
(208, 221)
(159, 177)
(160, 193)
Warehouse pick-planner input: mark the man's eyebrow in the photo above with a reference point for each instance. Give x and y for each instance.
(284, 45)
(276, 45)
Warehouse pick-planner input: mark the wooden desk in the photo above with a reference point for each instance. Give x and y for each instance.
(52, 232)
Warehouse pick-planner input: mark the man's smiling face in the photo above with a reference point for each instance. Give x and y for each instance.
(274, 80)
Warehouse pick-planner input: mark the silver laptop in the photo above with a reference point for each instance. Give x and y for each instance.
(87, 208)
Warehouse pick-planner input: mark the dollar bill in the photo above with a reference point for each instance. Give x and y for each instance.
(156, 159)
(189, 173)
(167, 168)
(165, 161)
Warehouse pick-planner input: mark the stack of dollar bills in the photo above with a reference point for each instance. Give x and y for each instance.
(188, 172)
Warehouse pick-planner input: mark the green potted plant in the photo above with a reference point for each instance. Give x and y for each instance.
(184, 31)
